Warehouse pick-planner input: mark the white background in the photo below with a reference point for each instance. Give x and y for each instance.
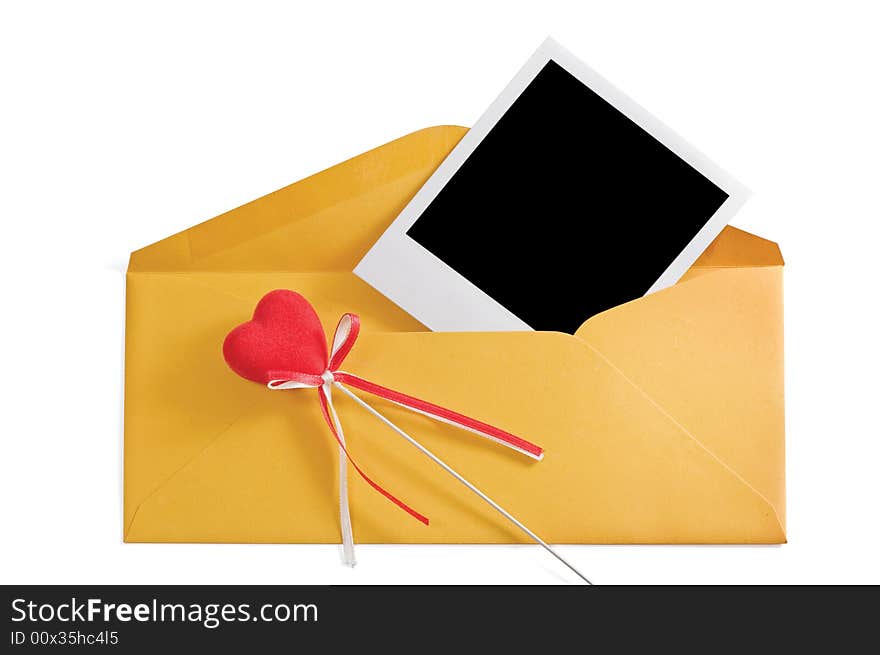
(120, 126)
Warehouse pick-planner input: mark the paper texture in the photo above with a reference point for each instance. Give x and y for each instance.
(662, 419)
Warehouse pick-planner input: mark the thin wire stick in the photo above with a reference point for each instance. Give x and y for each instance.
(458, 477)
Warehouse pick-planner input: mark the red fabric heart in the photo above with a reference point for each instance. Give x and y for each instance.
(285, 336)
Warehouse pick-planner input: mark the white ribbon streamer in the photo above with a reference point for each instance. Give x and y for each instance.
(344, 513)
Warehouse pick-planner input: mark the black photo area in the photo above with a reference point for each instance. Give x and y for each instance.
(566, 208)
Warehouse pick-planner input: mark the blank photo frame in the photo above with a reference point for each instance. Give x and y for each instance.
(565, 199)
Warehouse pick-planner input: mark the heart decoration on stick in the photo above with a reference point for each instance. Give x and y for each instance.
(283, 346)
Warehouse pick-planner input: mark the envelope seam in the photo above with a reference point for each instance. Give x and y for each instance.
(189, 248)
(180, 468)
(723, 266)
(224, 292)
(709, 452)
(189, 276)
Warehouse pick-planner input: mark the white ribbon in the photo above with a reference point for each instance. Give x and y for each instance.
(344, 512)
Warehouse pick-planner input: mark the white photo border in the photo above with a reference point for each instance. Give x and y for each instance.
(444, 300)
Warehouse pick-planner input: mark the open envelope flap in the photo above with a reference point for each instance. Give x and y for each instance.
(326, 222)
(709, 352)
(617, 469)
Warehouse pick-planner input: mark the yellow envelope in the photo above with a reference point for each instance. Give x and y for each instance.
(662, 419)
